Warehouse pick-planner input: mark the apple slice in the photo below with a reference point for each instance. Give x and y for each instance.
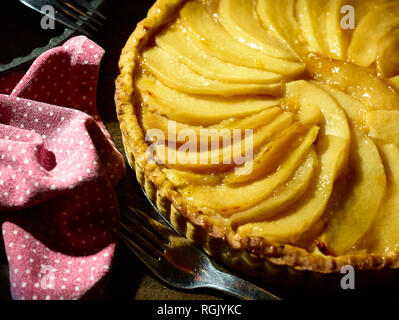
(333, 119)
(383, 125)
(279, 17)
(394, 82)
(292, 222)
(284, 196)
(217, 42)
(181, 178)
(353, 80)
(312, 19)
(178, 76)
(375, 25)
(240, 20)
(383, 237)
(225, 153)
(360, 206)
(178, 43)
(235, 198)
(355, 111)
(387, 55)
(272, 153)
(198, 110)
(173, 129)
(336, 37)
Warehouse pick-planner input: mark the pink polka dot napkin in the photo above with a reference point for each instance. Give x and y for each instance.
(58, 168)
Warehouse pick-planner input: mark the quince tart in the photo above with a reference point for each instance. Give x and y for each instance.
(308, 108)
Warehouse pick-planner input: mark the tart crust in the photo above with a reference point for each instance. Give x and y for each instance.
(253, 255)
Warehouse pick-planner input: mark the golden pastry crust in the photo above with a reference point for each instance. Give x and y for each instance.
(164, 193)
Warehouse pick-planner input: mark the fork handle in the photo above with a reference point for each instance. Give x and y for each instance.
(237, 287)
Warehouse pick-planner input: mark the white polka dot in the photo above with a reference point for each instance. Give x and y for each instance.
(34, 298)
(23, 285)
(36, 285)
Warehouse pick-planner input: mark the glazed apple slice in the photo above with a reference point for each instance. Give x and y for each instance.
(226, 152)
(312, 19)
(387, 55)
(382, 125)
(290, 224)
(387, 220)
(173, 129)
(217, 42)
(178, 43)
(268, 158)
(180, 178)
(336, 37)
(240, 20)
(375, 25)
(333, 120)
(284, 196)
(235, 198)
(279, 17)
(198, 110)
(362, 201)
(178, 76)
(355, 113)
(394, 82)
(372, 91)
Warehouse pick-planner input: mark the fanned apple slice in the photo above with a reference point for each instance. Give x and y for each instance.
(353, 108)
(178, 43)
(353, 80)
(226, 151)
(271, 154)
(181, 178)
(333, 120)
(198, 110)
(383, 125)
(374, 26)
(387, 220)
(285, 195)
(360, 206)
(178, 76)
(311, 17)
(235, 198)
(173, 129)
(240, 20)
(217, 42)
(279, 17)
(394, 82)
(291, 223)
(387, 55)
(336, 37)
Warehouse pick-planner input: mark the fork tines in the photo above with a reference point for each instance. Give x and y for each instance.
(141, 227)
(80, 11)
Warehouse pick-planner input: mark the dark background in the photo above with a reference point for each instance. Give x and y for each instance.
(129, 279)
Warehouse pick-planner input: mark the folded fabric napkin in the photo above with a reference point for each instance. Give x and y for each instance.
(58, 168)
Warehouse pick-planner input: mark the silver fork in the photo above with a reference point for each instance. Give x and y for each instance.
(176, 261)
(78, 15)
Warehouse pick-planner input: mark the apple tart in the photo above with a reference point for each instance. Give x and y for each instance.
(308, 107)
